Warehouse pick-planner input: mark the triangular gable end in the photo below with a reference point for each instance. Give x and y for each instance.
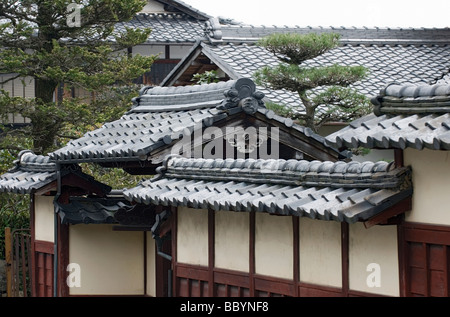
(163, 116)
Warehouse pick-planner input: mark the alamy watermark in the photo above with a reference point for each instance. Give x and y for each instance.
(74, 15)
(74, 277)
(229, 142)
(374, 278)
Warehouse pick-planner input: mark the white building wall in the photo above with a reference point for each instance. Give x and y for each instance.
(110, 262)
(320, 252)
(232, 241)
(430, 177)
(373, 259)
(151, 266)
(44, 218)
(192, 236)
(274, 246)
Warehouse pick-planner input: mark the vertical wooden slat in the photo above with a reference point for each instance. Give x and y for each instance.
(296, 251)
(211, 251)
(48, 275)
(252, 254)
(402, 256)
(398, 158)
(427, 269)
(445, 269)
(32, 252)
(63, 260)
(40, 276)
(8, 258)
(24, 264)
(174, 251)
(16, 275)
(344, 258)
(29, 264)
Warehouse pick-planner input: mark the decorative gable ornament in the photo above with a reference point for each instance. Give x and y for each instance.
(244, 95)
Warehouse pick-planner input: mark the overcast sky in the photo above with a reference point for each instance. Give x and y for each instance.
(336, 13)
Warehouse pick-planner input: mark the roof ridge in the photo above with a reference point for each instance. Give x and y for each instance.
(186, 8)
(223, 95)
(289, 172)
(30, 162)
(217, 32)
(412, 98)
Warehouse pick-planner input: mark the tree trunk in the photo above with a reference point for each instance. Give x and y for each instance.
(310, 111)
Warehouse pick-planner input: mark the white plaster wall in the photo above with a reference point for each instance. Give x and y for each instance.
(44, 218)
(274, 245)
(320, 252)
(430, 177)
(232, 240)
(192, 236)
(151, 266)
(111, 262)
(374, 246)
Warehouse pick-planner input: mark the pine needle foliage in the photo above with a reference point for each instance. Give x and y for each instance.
(324, 91)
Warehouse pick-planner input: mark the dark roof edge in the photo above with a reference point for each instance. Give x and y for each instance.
(219, 33)
(185, 8)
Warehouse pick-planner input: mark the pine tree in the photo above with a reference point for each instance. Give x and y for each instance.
(324, 91)
(71, 42)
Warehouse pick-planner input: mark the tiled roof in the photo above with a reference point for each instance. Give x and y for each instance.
(218, 32)
(113, 209)
(401, 55)
(416, 116)
(161, 115)
(30, 172)
(178, 5)
(339, 191)
(90, 210)
(167, 27)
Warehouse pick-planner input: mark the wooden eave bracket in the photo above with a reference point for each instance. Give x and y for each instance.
(383, 217)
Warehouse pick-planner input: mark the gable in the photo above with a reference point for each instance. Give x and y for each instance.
(164, 116)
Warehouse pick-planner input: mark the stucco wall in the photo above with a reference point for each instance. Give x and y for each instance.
(44, 218)
(373, 255)
(192, 236)
(151, 268)
(430, 175)
(232, 240)
(110, 262)
(320, 252)
(274, 245)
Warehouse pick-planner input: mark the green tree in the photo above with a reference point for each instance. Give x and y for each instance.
(207, 77)
(324, 91)
(75, 43)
